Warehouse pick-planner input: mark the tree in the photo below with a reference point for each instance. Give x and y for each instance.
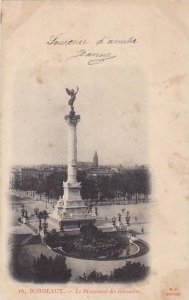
(104, 187)
(130, 272)
(94, 277)
(51, 270)
(89, 233)
(55, 184)
(88, 190)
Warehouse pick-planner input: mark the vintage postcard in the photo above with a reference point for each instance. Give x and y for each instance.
(95, 150)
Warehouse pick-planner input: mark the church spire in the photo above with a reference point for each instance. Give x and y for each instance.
(95, 159)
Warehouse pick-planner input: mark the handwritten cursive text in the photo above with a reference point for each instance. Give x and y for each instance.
(94, 58)
(59, 41)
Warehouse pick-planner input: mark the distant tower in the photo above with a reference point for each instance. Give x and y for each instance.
(95, 159)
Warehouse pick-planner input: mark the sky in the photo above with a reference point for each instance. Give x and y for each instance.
(112, 99)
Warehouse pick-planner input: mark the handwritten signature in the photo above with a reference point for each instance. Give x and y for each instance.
(94, 58)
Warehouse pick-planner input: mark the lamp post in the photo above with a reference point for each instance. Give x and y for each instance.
(128, 220)
(26, 214)
(61, 226)
(45, 225)
(40, 216)
(119, 217)
(113, 221)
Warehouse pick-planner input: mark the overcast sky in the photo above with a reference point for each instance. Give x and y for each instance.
(112, 98)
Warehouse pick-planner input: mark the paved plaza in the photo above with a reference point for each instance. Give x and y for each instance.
(32, 247)
(139, 213)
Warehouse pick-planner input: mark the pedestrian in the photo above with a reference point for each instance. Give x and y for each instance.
(26, 214)
(90, 208)
(96, 210)
(142, 230)
(135, 219)
(84, 276)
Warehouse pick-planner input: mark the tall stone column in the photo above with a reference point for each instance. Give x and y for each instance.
(72, 198)
(72, 121)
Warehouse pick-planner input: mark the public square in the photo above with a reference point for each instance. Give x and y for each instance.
(32, 247)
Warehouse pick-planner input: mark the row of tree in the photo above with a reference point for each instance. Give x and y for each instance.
(131, 183)
(131, 272)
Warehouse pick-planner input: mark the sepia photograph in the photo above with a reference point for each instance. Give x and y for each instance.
(94, 157)
(84, 221)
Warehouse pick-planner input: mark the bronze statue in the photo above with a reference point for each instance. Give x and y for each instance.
(72, 93)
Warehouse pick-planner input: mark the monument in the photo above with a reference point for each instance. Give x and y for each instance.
(71, 209)
(81, 234)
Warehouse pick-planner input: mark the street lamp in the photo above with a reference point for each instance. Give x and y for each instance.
(128, 220)
(113, 221)
(119, 217)
(45, 226)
